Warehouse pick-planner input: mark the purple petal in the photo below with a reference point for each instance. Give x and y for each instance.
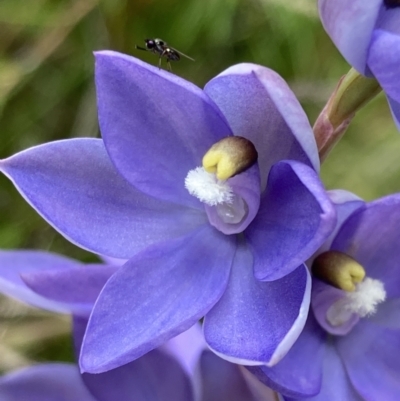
(345, 204)
(14, 263)
(246, 186)
(156, 126)
(47, 382)
(187, 347)
(74, 186)
(260, 106)
(257, 322)
(223, 381)
(336, 385)
(113, 261)
(350, 25)
(291, 376)
(389, 19)
(371, 356)
(371, 236)
(78, 332)
(155, 296)
(296, 216)
(322, 298)
(258, 389)
(388, 314)
(395, 109)
(78, 287)
(153, 377)
(384, 61)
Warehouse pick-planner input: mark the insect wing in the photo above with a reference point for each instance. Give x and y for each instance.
(182, 54)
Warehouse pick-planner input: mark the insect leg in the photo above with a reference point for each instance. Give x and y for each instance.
(140, 48)
(159, 59)
(169, 67)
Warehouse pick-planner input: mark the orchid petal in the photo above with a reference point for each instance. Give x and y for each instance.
(295, 218)
(187, 347)
(74, 186)
(336, 385)
(153, 377)
(156, 376)
(247, 187)
(375, 349)
(371, 236)
(155, 296)
(387, 315)
(14, 263)
(384, 61)
(113, 261)
(260, 106)
(395, 110)
(156, 126)
(388, 19)
(291, 376)
(322, 298)
(78, 287)
(345, 204)
(47, 382)
(223, 380)
(78, 332)
(257, 322)
(258, 389)
(350, 25)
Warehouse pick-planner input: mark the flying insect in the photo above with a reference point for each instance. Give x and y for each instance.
(160, 47)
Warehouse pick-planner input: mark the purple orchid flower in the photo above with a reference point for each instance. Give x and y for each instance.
(349, 347)
(156, 376)
(231, 250)
(70, 286)
(180, 370)
(367, 33)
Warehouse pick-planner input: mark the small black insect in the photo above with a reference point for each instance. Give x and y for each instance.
(160, 47)
(392, 3)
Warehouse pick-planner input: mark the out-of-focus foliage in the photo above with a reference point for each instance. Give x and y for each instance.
(47, 91)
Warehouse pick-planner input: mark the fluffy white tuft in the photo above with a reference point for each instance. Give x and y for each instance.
(363, 302)
(207, 188)
(367, 296)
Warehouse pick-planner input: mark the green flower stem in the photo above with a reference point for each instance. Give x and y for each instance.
(352, 93)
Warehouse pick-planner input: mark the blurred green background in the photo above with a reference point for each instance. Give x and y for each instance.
(47, 93)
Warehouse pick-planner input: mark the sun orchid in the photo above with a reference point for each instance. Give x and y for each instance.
(209, 230)
(367, 33)
(180, 370)
(160, 375)
(64, 285)
(352, 337)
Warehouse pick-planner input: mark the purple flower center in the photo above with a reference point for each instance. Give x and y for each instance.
(225, 206)
(344, 294)
(228, 184)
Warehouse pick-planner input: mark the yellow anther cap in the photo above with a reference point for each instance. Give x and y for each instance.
(338, 269)
(230, 156)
